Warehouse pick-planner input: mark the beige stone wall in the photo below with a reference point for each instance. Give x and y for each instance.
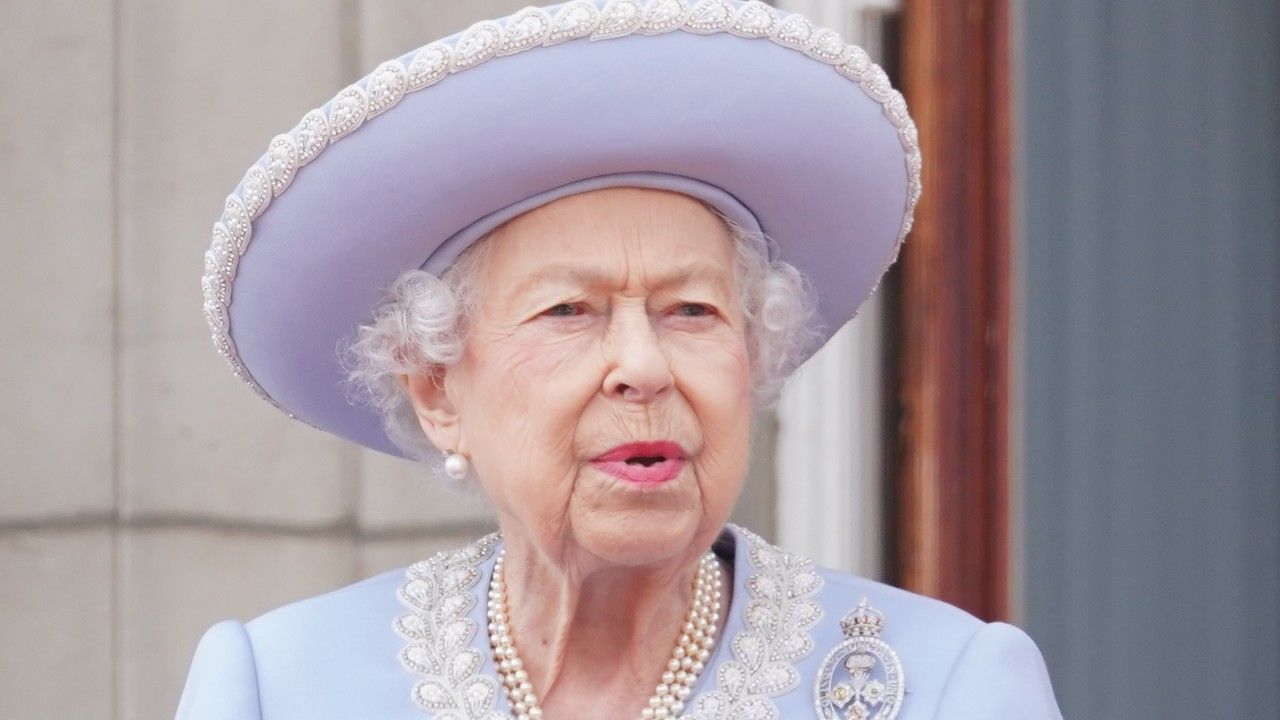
(144, 493)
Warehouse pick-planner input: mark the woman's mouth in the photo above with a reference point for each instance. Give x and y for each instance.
(643, 463)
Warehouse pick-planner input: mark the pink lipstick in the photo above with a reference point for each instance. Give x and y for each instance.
(644, 463)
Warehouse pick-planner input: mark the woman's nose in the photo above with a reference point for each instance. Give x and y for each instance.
(639, 370)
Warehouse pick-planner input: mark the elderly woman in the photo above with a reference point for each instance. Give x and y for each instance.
(566, 298)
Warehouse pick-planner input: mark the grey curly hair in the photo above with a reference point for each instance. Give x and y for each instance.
(423, 321)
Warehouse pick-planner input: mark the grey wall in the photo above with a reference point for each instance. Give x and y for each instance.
(1151, 185)
(143, 493)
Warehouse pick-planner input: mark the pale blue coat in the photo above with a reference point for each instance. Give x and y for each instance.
(338, 656)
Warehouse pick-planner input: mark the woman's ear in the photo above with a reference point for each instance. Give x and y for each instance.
(434, 408)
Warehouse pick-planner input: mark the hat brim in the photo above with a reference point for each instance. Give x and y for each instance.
(810, 146)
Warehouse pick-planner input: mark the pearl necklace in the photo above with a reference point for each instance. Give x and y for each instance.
(697, 636)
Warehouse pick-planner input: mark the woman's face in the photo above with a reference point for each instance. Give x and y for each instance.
(606, 318)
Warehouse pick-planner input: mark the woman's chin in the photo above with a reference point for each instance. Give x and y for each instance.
(636, 524)
(639, 536)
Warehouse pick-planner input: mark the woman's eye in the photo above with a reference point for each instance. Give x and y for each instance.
(700, 310)
(560, 310)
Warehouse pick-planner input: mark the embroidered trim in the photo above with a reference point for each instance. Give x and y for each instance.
(775, 634)
(441, 592)
(529, 28)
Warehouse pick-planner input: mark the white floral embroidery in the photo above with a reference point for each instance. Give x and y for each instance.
(775, 635)
(441, 592)
(527, 29)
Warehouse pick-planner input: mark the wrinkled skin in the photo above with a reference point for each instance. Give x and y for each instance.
(559, 370)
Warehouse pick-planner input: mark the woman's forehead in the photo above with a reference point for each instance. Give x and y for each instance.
(616, 209)
(590, 237)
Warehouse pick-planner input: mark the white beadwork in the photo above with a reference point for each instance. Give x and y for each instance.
(222, 255)
(775, 636)
(530, 28)
(215, 314)
(479, 43)
(710, 16)
(207, 288)
(429, 65)
(794, 32)
(213, 284)
(618, 18)
(826, 45)
(876, 83)
(311, 135)
(235, 218)
(347, 111)
(754, 19)
(440, 592)
(386, 86)
(575, 20)
(855, 64)
(663, 16)
(896, 107)
(908, 134)
(256, 191)
(282, 161)
(222, 259)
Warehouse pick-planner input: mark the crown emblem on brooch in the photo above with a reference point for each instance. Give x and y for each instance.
(862, 621)
(861, 678)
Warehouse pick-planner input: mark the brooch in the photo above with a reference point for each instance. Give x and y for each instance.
(861, 679)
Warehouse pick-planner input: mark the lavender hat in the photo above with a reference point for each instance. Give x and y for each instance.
(776, 122)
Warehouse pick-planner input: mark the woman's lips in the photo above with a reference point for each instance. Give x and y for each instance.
(657, 461)
(654, 474)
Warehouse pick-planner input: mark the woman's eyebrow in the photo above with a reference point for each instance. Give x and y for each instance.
(560, 271)
(591, 277)
(706, 272)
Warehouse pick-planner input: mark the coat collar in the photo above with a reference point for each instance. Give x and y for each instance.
(771, 614)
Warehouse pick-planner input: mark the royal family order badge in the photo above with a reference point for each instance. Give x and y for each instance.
(861, 679)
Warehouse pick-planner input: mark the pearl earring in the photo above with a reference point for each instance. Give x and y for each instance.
(456, 465)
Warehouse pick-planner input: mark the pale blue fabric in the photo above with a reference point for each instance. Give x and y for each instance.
(335, 657)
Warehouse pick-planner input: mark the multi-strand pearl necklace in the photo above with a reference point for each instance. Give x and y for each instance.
(697, 636)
